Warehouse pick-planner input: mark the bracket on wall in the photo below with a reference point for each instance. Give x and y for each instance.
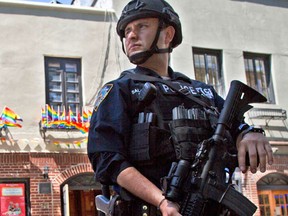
(44, 130)
(3, 129)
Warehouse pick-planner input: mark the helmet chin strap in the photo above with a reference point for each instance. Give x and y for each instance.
(141, 57)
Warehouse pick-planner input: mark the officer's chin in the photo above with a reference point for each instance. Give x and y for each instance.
(132, 53)
(138, 58)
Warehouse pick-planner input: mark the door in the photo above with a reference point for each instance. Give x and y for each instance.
(66, 200)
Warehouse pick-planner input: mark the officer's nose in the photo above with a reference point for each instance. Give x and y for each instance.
(131, 34)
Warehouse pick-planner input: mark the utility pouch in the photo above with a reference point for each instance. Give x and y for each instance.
(149, 142)
(187, 133)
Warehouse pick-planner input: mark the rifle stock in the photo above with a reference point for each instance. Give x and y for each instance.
(205, 180)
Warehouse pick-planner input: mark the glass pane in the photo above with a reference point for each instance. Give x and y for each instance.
(262, 210)
(281, 199)
(71, 67)
(276, 197)
(260, 197)
(56, 107)
(267, 211)
(250, 73)
(73, 107)
(55, 96)
(196, 61)
(72, 87)
(266, 199)
(212, 71)
(55, 76)
(199, 64)
(55, 86)
(72, 97)
(54, 64)
(71, 77)
(259, 73)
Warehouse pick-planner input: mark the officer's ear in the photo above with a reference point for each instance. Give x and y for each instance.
(170, 32)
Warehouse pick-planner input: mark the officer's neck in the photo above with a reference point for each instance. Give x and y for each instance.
(159, 65)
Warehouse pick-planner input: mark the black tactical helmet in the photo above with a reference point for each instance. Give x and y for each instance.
(137, 9)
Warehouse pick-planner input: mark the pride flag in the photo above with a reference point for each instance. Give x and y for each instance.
(65, 120)
(55, 115)
(72, 116)
(85, 116)
(9, 118)
(49, 112)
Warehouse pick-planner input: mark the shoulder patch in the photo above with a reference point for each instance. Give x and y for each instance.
(102, 94)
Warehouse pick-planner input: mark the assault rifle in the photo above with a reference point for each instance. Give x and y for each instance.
(199, 184)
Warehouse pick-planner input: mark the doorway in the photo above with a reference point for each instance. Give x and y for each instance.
(82, 202)
(78, 195)
(273, 194)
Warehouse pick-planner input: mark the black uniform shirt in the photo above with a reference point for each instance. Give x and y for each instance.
(114, 114)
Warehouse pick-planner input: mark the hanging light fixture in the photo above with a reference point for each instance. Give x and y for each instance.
(45, 172)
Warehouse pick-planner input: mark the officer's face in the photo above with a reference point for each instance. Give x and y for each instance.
(140, 34)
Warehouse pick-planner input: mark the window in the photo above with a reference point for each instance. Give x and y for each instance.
(63, 83)
(207, 66)
(264, 204)
(258, 75)
(273, 194)
(281, 201)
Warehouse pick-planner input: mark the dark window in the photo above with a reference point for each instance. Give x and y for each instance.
(63, 83)
(207, 67)
(258, 74)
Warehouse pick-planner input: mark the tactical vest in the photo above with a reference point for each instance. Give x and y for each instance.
(160, 137)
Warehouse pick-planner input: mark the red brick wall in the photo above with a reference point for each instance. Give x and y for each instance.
(30, 165)
(62, 166)
(250, 180)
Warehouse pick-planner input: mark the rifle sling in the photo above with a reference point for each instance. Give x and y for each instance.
(143, 78)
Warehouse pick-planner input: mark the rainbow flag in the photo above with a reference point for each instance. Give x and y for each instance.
(80, 127)
(89, 115)
(54, 115)
(79, 117)
(49, 112)
(68, 120)
(9, 118)
(72, 116)
(78, 143)
(10, 124)
(10, 115)
(63, 116)
(85, 116)
(43, 116)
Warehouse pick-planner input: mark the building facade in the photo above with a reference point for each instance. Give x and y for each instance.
(54, 58)
(51, 55)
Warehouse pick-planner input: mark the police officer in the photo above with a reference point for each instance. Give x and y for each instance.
(128, 142)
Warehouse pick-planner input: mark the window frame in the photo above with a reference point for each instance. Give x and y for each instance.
(64, 102)
(220, 86)
(266, 59)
